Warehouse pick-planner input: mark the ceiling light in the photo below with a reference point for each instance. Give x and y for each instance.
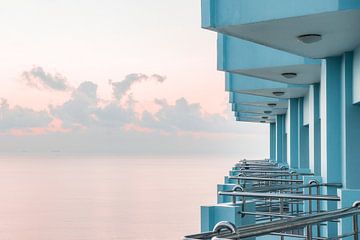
(264, 117)
(289, 75)
(267, 112)
(278, 93)
(309, 38)
(272, 104)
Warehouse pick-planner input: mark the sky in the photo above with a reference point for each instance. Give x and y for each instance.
(115, 77)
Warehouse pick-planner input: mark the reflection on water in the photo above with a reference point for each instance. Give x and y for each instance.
(105, 198)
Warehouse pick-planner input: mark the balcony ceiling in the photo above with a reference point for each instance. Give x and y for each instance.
(339, 30)
(306, 73)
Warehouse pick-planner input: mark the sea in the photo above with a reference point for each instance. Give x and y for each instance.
(106, 198)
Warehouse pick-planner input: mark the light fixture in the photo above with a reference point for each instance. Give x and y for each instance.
(289, 75)
(278, 93)
(263, 121)
(272, 104)
(264, 117)
(267, 112)
(309, 38)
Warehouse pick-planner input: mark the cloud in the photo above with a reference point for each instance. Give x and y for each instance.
(21, 118)
(183, 116)
(121, 88)
(40, 79)
(87, 124)
(79, 110)
(83, 110)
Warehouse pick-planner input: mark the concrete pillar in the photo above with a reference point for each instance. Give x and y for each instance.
(331, 128)
(280, 139)
(331, 120)
(293, 133)
(314, 129)
(350, 126)
(303, 154)
(272, 141)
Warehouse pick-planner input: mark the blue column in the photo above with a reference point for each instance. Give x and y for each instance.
(272, 141)
(317, 129)
(350, 139)
(293, 133)
(314, 129)
(331, 128)
(280, 139)
(350, 127)
(331, 119)
(303, 138)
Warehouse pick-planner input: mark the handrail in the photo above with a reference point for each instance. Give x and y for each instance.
(273, 171)
(278, 187)
(265, 179)
(250, 167)
(280, 196)
(285, 224)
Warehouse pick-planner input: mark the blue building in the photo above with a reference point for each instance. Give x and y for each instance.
(295, 66)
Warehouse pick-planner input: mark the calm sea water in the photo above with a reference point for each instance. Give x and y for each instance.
(105, 198)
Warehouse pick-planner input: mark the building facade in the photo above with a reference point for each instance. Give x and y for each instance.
(295, 66)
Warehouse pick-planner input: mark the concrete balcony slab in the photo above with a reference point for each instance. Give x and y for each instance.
(260, 87)
(279, 23)
(243, 57)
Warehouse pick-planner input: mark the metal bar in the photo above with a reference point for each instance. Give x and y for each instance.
(355, 227)
(268, 214)
(281, 196)
(280, 225)
(265, 179)
(291, 186)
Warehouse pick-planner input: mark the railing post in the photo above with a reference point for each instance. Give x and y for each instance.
(355, 221)
(356, 227)
(308, 232)
(281, 211)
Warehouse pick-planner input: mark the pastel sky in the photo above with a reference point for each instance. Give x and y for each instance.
(114, 77)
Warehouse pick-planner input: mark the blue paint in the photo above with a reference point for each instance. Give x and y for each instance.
(253, 56)
(220, 13)
(303, 142)
(293, 133)
(350, 125)
(273, 141)
(331, 128)
(280, 139)
(210, 215)
(317, 130)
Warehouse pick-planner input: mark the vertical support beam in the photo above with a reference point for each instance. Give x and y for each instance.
(350, 126)
(303, 144)
(317, 130)
(331, 128)
(314, 129)
(293, 141)
(272, 141)
(350, 136)
(280, 139)
(331, 120)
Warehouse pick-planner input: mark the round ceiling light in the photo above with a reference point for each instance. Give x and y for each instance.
(272, 104)
(309, 38)
(289, 75)
(267, 112)
(278, 93)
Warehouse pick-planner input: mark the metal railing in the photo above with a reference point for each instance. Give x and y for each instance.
(279, 198)
(227, 230)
